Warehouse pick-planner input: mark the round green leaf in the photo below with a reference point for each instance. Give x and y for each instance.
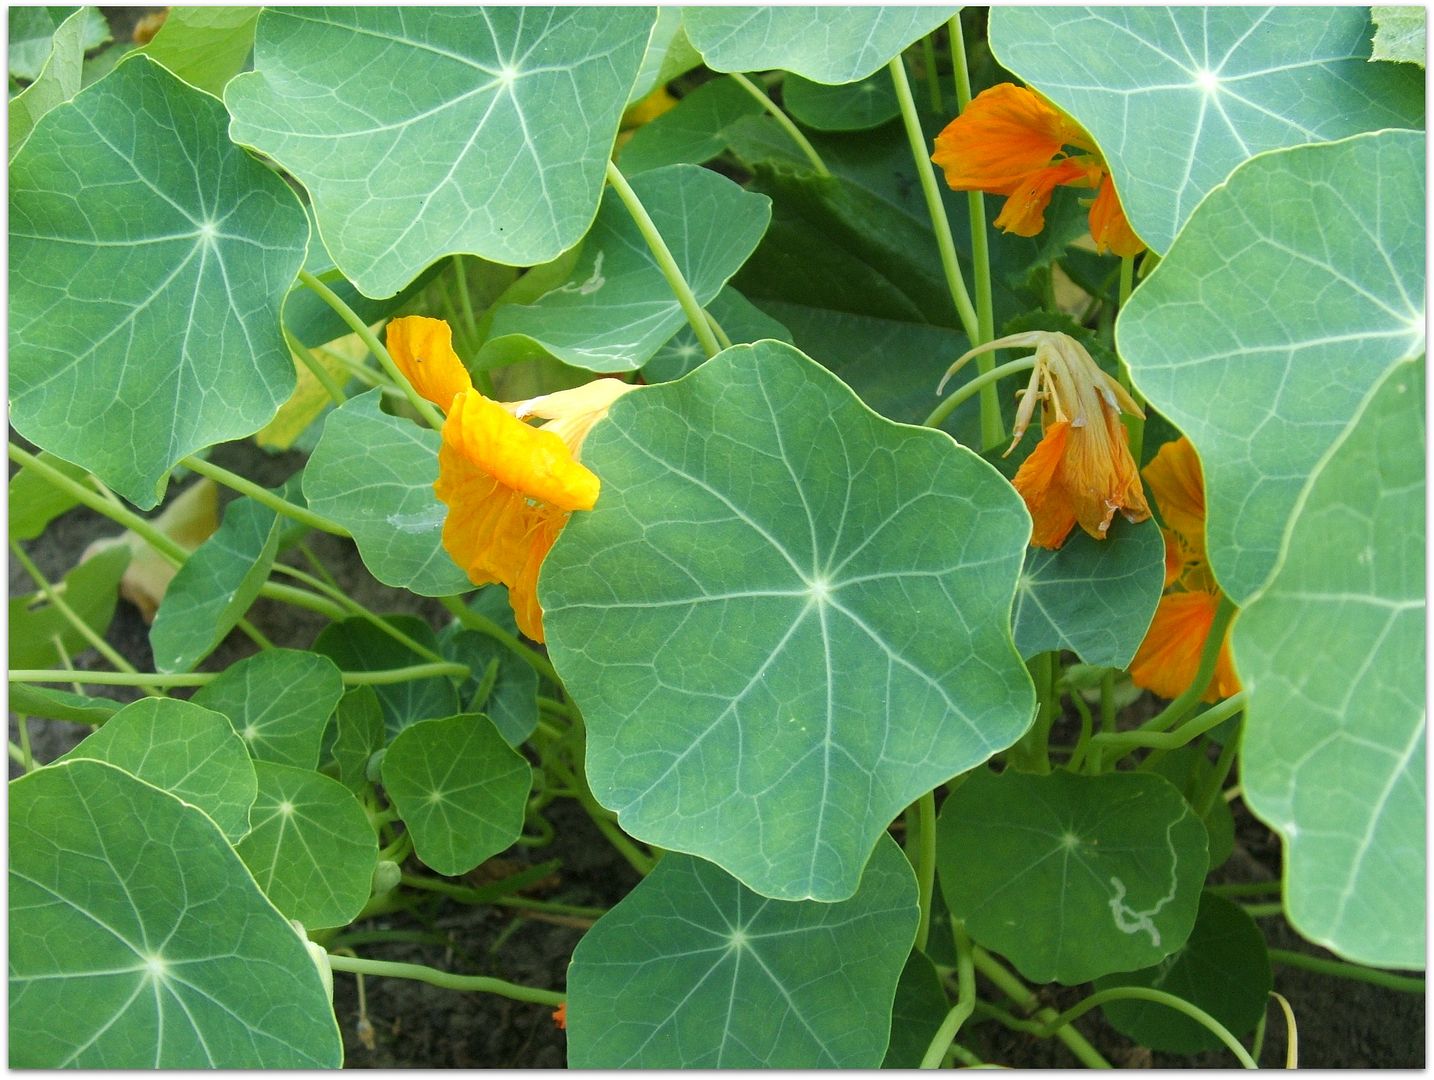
(498, 149)
(460, 789)
(1321, 291)
(785, 619)
(849, 107)
(147, 268)
(215, 586)
(359, 735)
(1224, 968)
(616, 309)
(355, 644)
(311, 847)
(824, 44)
(1071, 877)
(373, 473)
(1176, 97)
(511, 701)
(278, 701)
(183, 749)
(1093, 597)
(139, 941)
(694, 971)
(741, 320)
(1333, 655)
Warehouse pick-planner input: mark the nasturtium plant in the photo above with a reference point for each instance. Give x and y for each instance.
(826, 527)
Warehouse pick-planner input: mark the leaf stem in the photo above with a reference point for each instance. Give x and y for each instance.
(987, 378)
(803, 144)
(696, 317)
(1208, 720)
(201, 678)
(1160, 997)
(925, 862)
(307, 358)
(1341, 969)
(1178, 708)
(447, 980)
(1027, 1002)
(259, 494)
(965, 1000)
(472, 620)
(352, 606)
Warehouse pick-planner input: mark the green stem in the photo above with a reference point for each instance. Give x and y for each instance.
(384, 677)
(17, 755)
(935, 208)
(696, 317)
(472, 620)
(1027, 1001)
(1254, 888)
(1263, 911)
(27, 757)
(1209, 655)
(717, 331)
(925, 863)
(965, 1000)
(474, 896)
(933, 78)
(1087, 729)
(445, 979)
(808, 150)
(307, 358)
(1160, 997)
(424, 407)
(287, 594)
(993, 432)
(1211, 718)
(1342, 970)
(987, 378)
(464, 299)
(602, 818)
(302, 515)
(353, 607)
(1107, 700)
(1210, 788)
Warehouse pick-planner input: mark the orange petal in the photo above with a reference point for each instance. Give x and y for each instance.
(1179, 488)
(1005, 135)
(1108, 226)
(1040, 484)
(1101, 475)
(1025, 211)
(1169, 657)
(423, 350)
(531, 460)
(560, 1015)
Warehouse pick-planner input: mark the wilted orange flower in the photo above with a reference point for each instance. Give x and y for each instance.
(509, 485)
(1012, 142)
(1169, 657)
(1081, 471)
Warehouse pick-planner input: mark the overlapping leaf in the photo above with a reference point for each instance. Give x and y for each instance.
(205, 46)
(147, 268)
(693, 970)
(785, 618)
(58, 79)
(41, 636)
(692, 131)
(1321, 272)
(510, 697)
(742, 322)
(32, 29)
(849, 107)
(278, 702)
(1332, 652)
(1177, 97)
(497, 149)
(355, 644)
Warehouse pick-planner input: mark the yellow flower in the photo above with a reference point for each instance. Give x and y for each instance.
(1012, 142)
(1169, 657)
(1081, 471)
(510, 486)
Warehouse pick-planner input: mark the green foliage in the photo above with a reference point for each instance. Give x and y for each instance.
(40, 634)
(32, 31)
(1399, 34)
(359, 719)
(34, 502)
(278, 702)
(511, 701)
(59, 78)
(355, 644)
(849, 107)
(205, 46)
(693, 131)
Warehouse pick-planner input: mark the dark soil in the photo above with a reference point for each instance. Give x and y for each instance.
(1342, 1024)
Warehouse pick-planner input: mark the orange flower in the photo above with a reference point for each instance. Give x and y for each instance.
(1169, 657)
(1012, 142)
(509, 486)
(1081, 471)
(560, 1016)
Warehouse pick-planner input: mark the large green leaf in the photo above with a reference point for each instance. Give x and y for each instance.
(278, 701)
(1177, 97)
(1093, 597)
(373, 473)
(824, 44)
(1072, 877)
(668, 55)
(40, 636)
(183, 749)
(311, 847)
(785, 619)
(355, 644)
(32, 30)
(497, 148)
(1332, 652)
(57, 81)
(616, 309)
(147, 269)
(138, 940)
(1319, 252)
(205, 46)
(694, 971)
(215, 586)
(460, 789)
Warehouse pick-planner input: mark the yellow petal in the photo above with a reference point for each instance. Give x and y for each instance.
(530, 460)
(423, 350)
(1108, 225)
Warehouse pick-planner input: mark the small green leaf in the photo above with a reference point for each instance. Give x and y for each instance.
(205, 46)
(512, 699)
(850, 107)
(373, 473)
(460, 789)
(691, 970)
(90, 589)
(359, 719)
(784, 620)
(824, 44)
(27, 699)
(311, 847)
(278, 702)
(1350, 304)
(1224, 968)
(58, 80)
(497, 150)
(32, 29)
(215, 586)
(1333, 655)
(1072, 877)
(34, 502)
(1399, 34)
(147, 268)
(692, 131)
(356, 644)
(139, 941)
(1177, 97)
(1093, 597)
(742, 322)
(916, 1014)
(615, 309)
